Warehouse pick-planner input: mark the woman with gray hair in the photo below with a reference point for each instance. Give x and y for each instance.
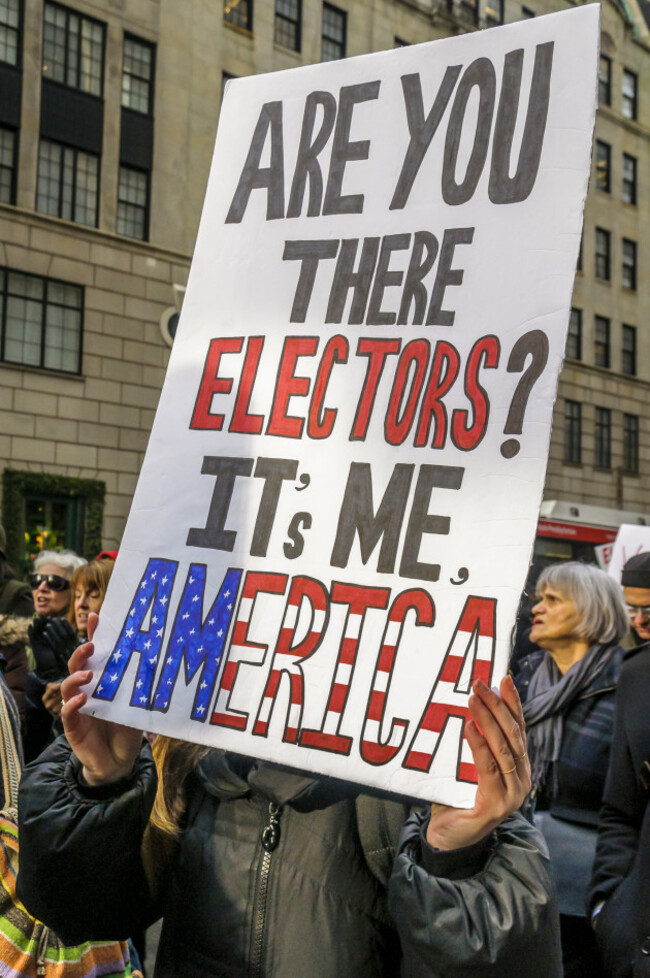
(568, 690)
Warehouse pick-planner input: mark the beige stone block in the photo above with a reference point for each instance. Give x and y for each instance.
(161, 292)
(82, 456)
(36, 403)
(118, 259)
(5, 451)
(142, 309)
(53, 383)
(71, 271)
(106, 436)
(119, 415)
(15, 423)
(106, 390)
(101, 299)
(146, 397)
(109, 478)
(118, 281)
(78, 408)
(56, 429)
(91, 366)
(150, 267)
(119, 461)
(101, 345)
(133, 439)
(26, 260)
(32, 450)
(121, 327)
(113, 531)
(143, 353)
(122, 370)
(126, 483)
(72, 244)
(6, 398)
(13, 231)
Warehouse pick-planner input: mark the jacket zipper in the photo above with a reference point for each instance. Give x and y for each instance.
(270, 838)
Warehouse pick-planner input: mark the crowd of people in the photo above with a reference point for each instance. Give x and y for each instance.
(258, 870)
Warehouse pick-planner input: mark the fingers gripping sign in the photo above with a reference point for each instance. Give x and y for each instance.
(107, 750)
(497, 737)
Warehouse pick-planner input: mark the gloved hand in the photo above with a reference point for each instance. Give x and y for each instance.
(52, 640)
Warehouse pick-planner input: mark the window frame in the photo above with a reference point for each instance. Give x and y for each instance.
(5, 295)
(150, 81)
(343, 44)
(626, 181)
(603, 342)
(603, 159)
(631, 443)
(247, 5)
(572, 432)
(630, 102)
(629, 264)
(605, 80)
(64, 147)
(628, 350)
(574, 334)
(603, 257)
(13, 170)
(145, 208)
(69, 13)
(284, 19)
(18, 31)
(602, 438)
(493, 20)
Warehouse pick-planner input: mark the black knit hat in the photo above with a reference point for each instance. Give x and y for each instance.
(636, 572)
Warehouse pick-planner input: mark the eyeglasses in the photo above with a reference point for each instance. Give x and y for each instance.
(51, 581)
(635, 610)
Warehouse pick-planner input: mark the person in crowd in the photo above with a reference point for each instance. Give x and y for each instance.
(260, 870)
(15, 596)
(635, 579)
(568, 692)
(88, 586)
(619, 896)
(14, 640)
(51, 641)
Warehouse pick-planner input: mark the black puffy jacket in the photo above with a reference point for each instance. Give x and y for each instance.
(280, 875)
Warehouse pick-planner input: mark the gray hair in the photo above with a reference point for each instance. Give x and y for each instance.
(67, 560)
(597, 597)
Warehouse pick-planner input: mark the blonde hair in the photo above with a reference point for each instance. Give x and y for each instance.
(175, 761)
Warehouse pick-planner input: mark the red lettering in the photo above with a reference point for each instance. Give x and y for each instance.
(444, 370)
(376, 351)
(322, 421)
(242, 421)
(288, 386)
(396, 429)
(212, 384)
(484, 353)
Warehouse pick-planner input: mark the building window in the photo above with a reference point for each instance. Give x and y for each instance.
(9, 31)
(603, 439)
(573, 432)
(605, 80)
(602, 254)
(7, 166)
(468, 10)
(67, 183)
(629, 179)
(133, 203)
(631, 444)
(629, 264)
(137, 75)
(494, 12)
(333, 33)
(601, 342)
(73, 49)
(629, 94)
(603, 166)
(41, 322)
(239, 13)
(628, 350)
(287, 23)
(574, 337)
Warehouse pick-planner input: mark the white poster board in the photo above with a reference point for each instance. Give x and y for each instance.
(631, 540)
(336, 511)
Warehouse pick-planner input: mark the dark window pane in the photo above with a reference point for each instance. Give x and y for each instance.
(629, 94)
(137, 75)
(7, 166)
(602, 254)
(73, 49)
(603, 438)
(628, 350)
(41, 322)
(574, 338)
(629, 179)
(9, 31)
(602, 348)
(239, 13)
(287, 23)
(629, 264)
(572, 431)
(68, 183)
(605, 80)
(132, 203)
(603, 166)
(333, 33)
(631, 444)
(494, 12)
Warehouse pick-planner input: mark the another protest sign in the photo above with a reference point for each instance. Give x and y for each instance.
(336, 511)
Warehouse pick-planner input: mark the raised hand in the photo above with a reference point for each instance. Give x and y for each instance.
(497, 738)
(107, 750)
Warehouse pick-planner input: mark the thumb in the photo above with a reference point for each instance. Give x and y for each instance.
(93, 619)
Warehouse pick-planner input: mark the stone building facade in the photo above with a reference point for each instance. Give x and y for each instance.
(108, 114)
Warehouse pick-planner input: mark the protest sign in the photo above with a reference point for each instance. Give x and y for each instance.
(336, 511)
(631, 540)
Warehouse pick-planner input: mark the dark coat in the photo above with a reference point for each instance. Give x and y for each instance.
(274, 876)
(586, 740)
(622, 868)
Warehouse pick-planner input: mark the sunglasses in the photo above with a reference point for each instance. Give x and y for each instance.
(643, 610)
(51, 581)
